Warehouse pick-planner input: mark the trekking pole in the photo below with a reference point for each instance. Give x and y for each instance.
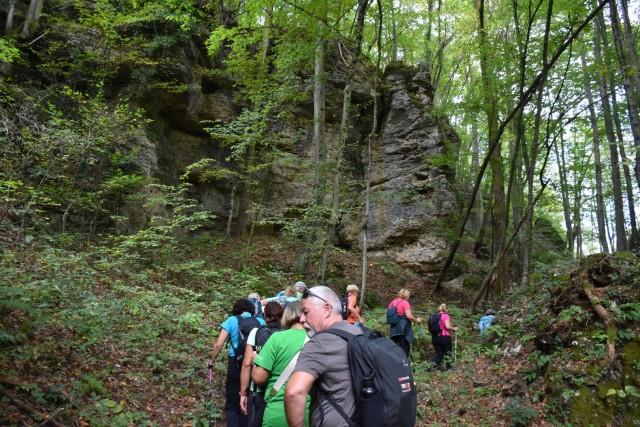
(455, 346)
(210, 392)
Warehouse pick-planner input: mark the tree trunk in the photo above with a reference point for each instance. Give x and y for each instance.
(231, 206)
(630, 45)
(346, 106)
(394, 30)
(373, 135)
(602, 231)
(32, 19)
(634, 241)
(479, 202)
(618, 204)
(8, 27)
(320, 155)
(530, 168)
(564, 192)
(499, 209)
(629, 89)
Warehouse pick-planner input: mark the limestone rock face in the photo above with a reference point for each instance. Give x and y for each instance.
(412, 196)
(412, 201)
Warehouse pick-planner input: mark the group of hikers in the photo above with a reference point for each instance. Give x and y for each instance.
(291, 359)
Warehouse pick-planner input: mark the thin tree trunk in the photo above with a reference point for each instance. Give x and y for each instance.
(629, 88)
(630, 44)
(479, 209)
(8, 27)
(634, 241)
(373, 135)
(346, 106)
(32, 19)
(618, 204)
(394, 32)
(231, 206)
(602, 232)
(564, 192)
(499, 209)
(320, 155)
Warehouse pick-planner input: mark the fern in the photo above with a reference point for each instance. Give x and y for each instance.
(9, 301)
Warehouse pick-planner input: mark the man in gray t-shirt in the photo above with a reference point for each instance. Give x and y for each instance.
(323, 365)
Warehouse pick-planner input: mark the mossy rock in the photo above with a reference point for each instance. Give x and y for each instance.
(631, 363)
(587, 409)
(472, 282)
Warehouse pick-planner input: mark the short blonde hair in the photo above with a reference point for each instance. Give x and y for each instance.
(443, 308)
(404, 293)
(292, 313)
(290, 291)
(352, 288)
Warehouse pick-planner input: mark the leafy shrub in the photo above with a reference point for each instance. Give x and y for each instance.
(521, 415)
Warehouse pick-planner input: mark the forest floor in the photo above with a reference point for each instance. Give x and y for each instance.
(88, 342)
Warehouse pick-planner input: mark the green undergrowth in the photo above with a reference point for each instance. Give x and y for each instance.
(108, 340)
(98, 335)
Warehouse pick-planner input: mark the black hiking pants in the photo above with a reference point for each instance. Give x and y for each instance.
(443, 347)
(401, 340)
(255, 406)
(232, 412)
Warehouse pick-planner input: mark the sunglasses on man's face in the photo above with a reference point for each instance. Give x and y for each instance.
(307, 293)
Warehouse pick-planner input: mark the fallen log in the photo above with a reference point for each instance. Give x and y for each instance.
(30, 410)
(603, 314)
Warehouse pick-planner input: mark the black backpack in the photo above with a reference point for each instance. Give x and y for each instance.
(382, 381)
(434, 324)
(344, 304)
(245, 325)
(263, 334)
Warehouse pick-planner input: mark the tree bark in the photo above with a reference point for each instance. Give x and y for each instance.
(618, 204)
(346, 106)
(602, 231)
(8, 27)
(499, 209)
(320, 151)
(629, 88)
(373, 135)
(634, 241)
(564, 192)
(603, 314)
(32, 19)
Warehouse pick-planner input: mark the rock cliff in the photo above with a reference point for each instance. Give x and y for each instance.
(413, 199)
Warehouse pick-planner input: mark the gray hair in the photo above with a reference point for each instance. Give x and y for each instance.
(328, 295)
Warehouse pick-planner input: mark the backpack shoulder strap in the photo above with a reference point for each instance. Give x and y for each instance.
(395, 307)
(284, 376)
(343, 334)
(229, 340)
(338, 409)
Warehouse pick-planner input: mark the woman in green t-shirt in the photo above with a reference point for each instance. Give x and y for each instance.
(272, 363)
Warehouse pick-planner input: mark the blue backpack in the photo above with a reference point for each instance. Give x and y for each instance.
(392, 316)
(484, 323)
